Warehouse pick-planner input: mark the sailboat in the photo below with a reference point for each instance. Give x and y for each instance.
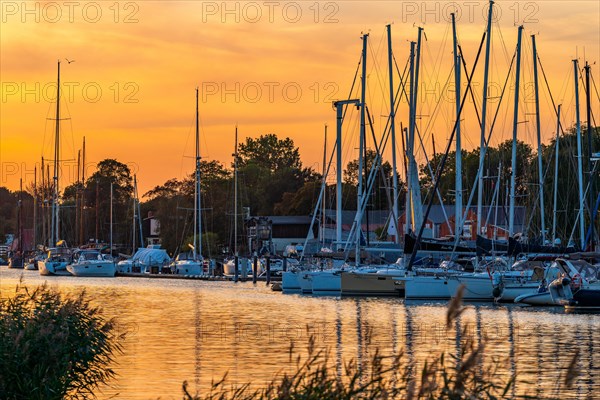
(244, 266)
(58, 257)
(191, 263)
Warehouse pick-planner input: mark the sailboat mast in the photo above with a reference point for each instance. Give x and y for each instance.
(197, 203)
(590, 132)
(324, 201)
(235, 195)
(417, 206)
(35, 205)
(82, 202)
(483, 114)
(458, 226)
(393, 133)
(513, 172)
(55, 206)
(408, 208)
(361, 149)
(539, 141)
(133, 222)
(111, 218)
(556, 176)
(139, 212)
(20, 220)
(579, 155)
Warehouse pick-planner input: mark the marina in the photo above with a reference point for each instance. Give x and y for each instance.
(181, 329)
(416, 217)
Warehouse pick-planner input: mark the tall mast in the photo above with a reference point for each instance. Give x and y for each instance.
(417, 207)
(339, 105)
(197, 203)
(77, 200)
(579, 155)
(235, 195)
(55, 205)
(408, 208)
(458, 226)
(590, 131)
(20, 219)
(513, 172)
(556, 176)
(324, 202)
(539, 142)
(139, 212)
(360, 148)
(82, 202)
(43, 201)
(111, 218)
(133, 222)
(483, 114)
(393, 133)
(35, 200)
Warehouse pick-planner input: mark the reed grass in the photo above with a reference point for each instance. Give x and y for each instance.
(54, 346)
(446, 376)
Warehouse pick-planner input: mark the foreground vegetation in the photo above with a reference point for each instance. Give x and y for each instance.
(54, 346)
(446, 376)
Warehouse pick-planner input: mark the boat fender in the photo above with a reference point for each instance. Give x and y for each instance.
(497, 292)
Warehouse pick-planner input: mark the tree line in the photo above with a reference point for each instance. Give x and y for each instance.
(273, 181)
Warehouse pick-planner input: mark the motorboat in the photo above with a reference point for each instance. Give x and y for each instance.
(151, 259)
(91, 262)
(576, 285)
(56, 261)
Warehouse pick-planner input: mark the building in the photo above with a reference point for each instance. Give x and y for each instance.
(440, 222)
(284, 230)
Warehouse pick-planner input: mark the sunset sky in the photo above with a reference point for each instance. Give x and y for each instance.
(269, 67)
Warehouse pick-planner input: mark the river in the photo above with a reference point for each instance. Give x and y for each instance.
(197, 331)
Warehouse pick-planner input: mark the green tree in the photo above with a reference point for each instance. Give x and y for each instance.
(269, 167)
(97, 197)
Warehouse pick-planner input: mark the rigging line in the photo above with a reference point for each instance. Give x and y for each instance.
(435, 110)
(353, 83)
(585, 207)
(441, 168)
(376, 67)
(380, 167)
(474, 186)
(464, 64)
(502, 41)
(550, 92)
(592, 110)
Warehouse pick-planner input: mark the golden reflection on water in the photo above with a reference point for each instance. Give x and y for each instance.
(197, 331)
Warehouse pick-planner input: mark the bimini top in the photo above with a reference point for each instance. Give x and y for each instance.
(151, 256)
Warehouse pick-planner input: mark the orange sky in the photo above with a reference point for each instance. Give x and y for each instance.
(270, 67)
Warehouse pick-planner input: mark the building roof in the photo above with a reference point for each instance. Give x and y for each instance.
(498, 215)
(376, 217)
(286, 219)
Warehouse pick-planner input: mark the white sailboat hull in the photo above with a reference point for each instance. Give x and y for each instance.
(305, 281)
(290, 283)
(371, 284)
(477, 287)
(93, 268)
(189, 267)
(48, 268)
(327, 283)
(427, 288)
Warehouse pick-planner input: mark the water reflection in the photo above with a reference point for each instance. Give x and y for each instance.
(198, 331)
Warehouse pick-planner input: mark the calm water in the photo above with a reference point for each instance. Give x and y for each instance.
(196, 331)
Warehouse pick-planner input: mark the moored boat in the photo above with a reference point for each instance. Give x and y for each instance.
(91, 262)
